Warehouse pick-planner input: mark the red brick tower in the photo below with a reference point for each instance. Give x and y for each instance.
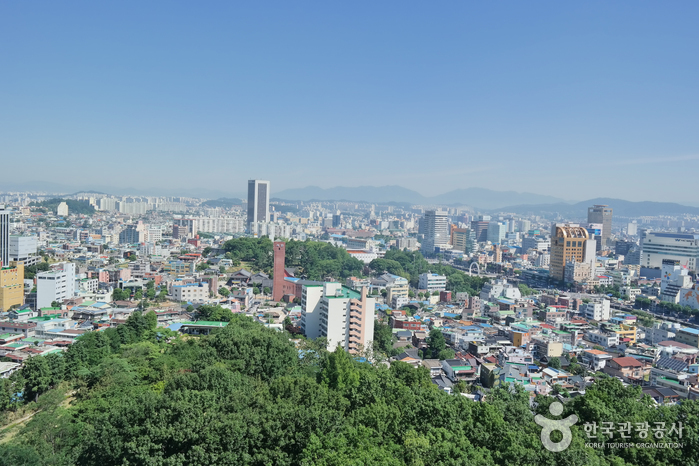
(279, 273)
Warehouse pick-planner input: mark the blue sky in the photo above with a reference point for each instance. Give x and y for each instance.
(572, 99)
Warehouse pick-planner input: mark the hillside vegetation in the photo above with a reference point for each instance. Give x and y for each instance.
(245, 395)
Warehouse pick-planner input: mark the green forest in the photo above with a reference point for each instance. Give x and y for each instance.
(247, 395)
(313, 260)
(74, 207)
(318, 261)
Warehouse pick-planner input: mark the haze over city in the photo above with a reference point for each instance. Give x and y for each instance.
(555, 99)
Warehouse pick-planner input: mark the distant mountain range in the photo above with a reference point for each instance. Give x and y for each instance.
(621, 208)
(475, 197)
(481, 199)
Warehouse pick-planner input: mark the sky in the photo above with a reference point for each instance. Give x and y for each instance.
(572, 99)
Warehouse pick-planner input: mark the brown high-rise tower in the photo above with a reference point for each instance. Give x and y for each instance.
(279, 273)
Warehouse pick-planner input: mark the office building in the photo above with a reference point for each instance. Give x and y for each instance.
(496, 232)
(657, 246)
(601, 214)
(432, 282)
(464, 239)
(4, 236)
(568, 243)
(436, 230)
(480, 228)
(343, 316)
(57, 284)
(258, 201)
(11, 286)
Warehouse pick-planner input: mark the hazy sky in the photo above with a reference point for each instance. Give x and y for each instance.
(572, 99)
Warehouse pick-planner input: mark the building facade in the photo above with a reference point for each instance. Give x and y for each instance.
(340, 314)
(567, 244)
(436, 230)
(258, 201)
(57, 284)
(601, 214)
(682, 247)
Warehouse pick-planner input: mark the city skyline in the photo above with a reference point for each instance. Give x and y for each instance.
(531, 98)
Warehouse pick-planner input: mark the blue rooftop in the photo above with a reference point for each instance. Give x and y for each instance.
(693, 331)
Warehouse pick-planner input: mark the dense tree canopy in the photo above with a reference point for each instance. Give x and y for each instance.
(247, 395)
(313, 260)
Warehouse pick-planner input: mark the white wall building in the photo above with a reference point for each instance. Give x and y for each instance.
(599, 310)
(23, 248)
(432, 282)
(342, 315)
(191, 293)
(56, 284)
(683, 247)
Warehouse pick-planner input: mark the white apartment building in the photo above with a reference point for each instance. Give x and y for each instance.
(191, 293)
(343, 316)
(56, 284)
(683, 247)
(432, 282)
(598, 310)
(602, 339)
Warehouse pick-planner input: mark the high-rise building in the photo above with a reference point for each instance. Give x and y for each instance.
(480, 228)
(601, 214)
(343, 316)
(657, 246)
(4, 236)
(258, 201)
(436, 230)
(464, 239)
(496, 232)
(568, 243)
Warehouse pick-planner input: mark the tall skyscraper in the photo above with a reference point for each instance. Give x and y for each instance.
(568, 244)
(258, 201)
(436, 230)
(4, 236)
(601, 214)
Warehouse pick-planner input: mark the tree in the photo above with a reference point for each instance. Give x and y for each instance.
(555, 363)
(151, 319)
(223, 291)
(55, 304)
(255, 290)
(436, 342)
(214, 313)
(37, 377)
(339, 372)
(383, 338)
(267, 290)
